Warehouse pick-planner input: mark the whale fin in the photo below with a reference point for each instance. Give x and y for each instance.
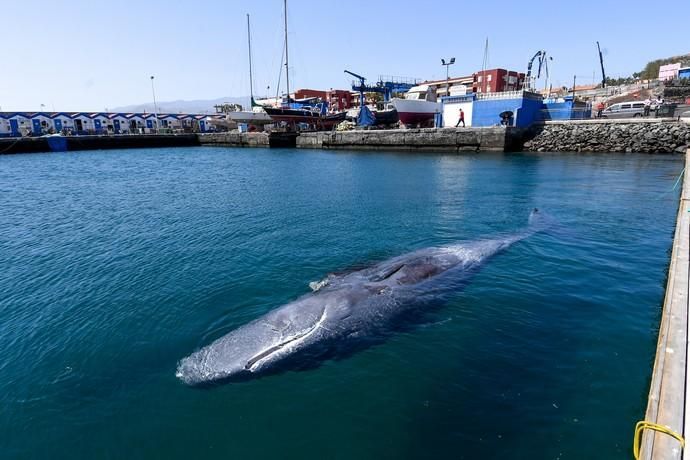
(386, 272)
(316, 285)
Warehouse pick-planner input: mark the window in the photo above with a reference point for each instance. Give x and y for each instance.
(488, 78)
(638, 105)
(625, 106)
(479, 79)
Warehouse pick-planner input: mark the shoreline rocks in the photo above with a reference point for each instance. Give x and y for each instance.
(632, 137)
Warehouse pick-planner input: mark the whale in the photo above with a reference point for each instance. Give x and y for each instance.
(345, 312)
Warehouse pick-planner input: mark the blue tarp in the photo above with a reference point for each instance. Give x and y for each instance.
(365, 117)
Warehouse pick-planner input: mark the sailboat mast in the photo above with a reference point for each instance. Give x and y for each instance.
(251, 78)
(287, 67)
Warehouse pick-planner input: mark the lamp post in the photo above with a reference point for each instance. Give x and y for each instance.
(155, 109)
(450, 62)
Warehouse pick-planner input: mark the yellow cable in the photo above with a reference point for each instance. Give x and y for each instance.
(640, 426)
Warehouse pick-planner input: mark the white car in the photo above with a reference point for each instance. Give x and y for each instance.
(632, 109)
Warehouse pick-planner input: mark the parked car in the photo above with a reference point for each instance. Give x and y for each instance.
(631, 109)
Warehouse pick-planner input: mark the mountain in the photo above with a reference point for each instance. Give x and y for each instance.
(196, 106)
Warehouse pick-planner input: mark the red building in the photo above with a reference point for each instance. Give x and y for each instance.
(497, 80)
(337, 99)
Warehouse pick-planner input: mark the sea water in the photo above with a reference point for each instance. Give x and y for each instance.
(114, 265)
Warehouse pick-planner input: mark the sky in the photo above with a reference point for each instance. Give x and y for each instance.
(90, 56)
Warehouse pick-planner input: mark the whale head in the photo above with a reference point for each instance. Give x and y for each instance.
(261, 344)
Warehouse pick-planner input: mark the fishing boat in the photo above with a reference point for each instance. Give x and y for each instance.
(308, 116)
(387, 116)
(418, 107)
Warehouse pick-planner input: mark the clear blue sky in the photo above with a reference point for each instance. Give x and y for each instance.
(88, 55)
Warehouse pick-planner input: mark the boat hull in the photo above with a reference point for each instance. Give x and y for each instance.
(293, 116)
(416, 112)
(251, 118)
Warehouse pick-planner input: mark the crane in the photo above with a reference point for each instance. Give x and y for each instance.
(528, 78)
(603, 74)
(361, 88)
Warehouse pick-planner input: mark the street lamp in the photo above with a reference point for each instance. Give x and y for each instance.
(450, 62)
(155, 109)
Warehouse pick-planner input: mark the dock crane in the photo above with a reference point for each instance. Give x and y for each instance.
(362, 87)
(601, 61)
(387, 85)
(541, 54)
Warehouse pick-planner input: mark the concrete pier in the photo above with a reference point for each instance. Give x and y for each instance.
(668, 402)
(499, 139)
(73, 143)
(235, 139)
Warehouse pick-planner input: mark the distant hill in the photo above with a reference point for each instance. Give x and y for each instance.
(651, 70)
(196, 106)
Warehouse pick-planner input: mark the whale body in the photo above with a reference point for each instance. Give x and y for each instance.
(343, 310)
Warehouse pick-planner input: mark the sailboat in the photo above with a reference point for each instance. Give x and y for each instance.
(315, 115)
(257, 116)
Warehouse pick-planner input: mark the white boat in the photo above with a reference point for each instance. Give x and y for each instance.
(418, 107)
(257, 116)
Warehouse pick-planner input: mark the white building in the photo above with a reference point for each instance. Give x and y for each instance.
(669, 71)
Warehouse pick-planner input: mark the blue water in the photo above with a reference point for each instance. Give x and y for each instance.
(115, 265)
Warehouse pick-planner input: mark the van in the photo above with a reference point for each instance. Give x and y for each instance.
(632, 109)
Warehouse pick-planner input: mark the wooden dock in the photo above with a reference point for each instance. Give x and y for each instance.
(668, 401)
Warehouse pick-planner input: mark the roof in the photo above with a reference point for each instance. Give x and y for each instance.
(450, 80)
(586, 87)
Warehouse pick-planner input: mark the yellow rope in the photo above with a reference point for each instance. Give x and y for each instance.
(640, 426)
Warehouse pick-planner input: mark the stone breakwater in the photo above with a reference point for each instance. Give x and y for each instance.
(609, 136)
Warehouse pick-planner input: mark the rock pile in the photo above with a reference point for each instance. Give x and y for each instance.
(666, 137)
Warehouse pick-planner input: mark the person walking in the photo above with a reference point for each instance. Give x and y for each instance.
(647, 106)
(600, 109)
(461, 119)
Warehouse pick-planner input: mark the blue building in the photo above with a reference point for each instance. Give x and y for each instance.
(525, 108)
(684, 72)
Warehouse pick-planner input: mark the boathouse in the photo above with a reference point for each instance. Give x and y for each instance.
(18, 124)
(41, 123)
(119, 122)
(62, 121)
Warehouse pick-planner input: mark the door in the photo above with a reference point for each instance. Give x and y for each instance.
(78, 125)
(97, 125)
(149, 124)
(14, 128)
(36, 127)
(58, 125)
(116, 126)
(202, 126)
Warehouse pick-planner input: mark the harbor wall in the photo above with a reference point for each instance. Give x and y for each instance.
(633, 135)
(74, 143)
(427, 139)
(235, 139)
